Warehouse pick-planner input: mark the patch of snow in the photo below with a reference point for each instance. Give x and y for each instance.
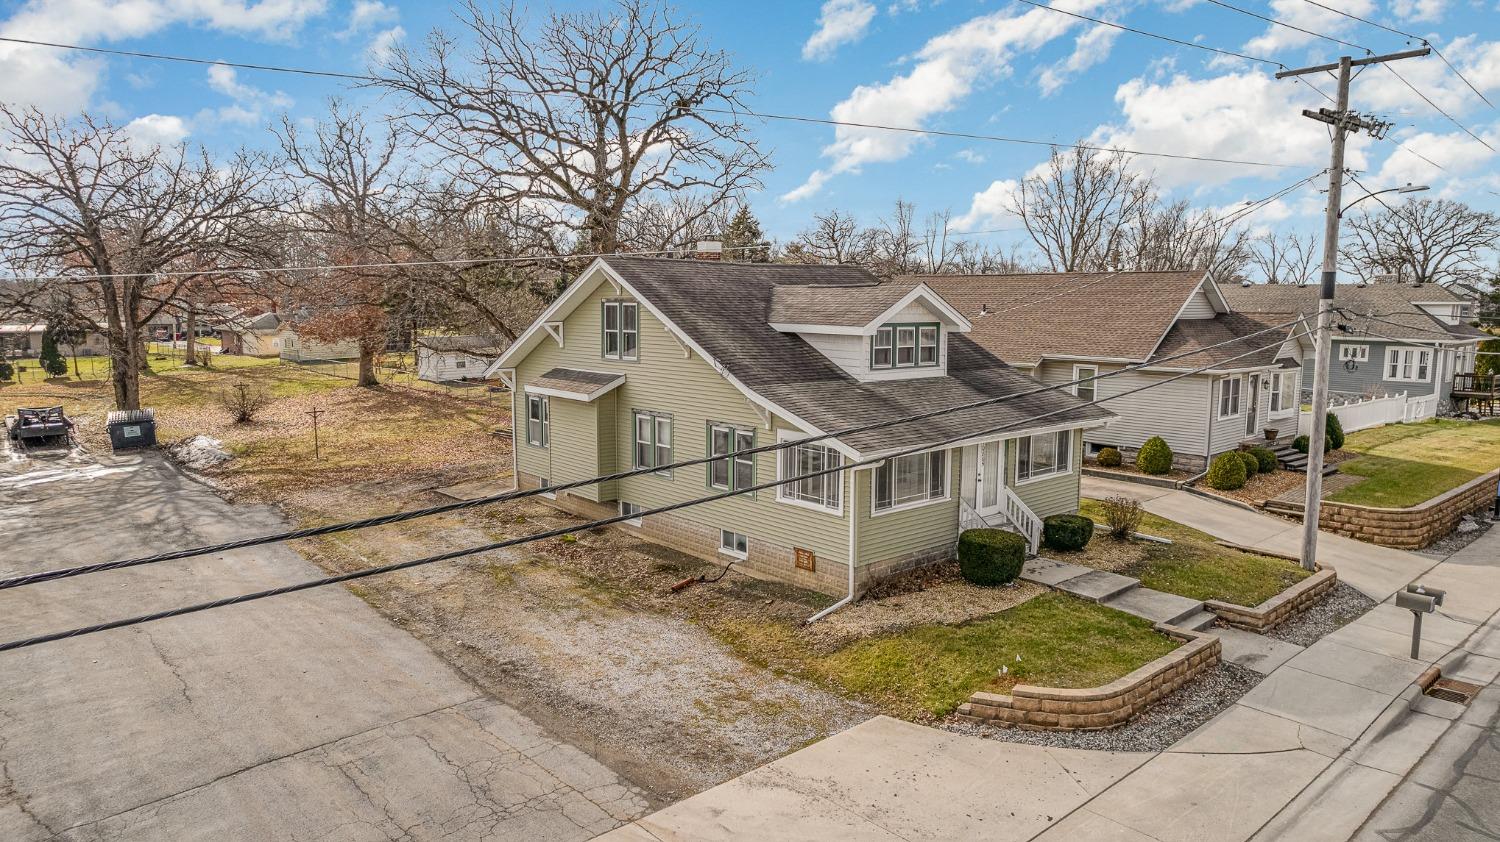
(200, 452)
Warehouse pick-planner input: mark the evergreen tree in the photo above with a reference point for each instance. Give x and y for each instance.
(51, 360)
(743, 236)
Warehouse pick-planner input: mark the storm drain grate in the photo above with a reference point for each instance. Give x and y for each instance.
(1450, 690)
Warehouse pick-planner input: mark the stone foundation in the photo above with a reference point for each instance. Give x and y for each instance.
(1279, 608)
(1095, 708)
(765, 559)
(1413, 528)
(1180, 461)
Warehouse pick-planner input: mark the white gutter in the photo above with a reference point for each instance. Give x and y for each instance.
(852, 517)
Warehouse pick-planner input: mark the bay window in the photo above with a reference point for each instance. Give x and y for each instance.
(911, 480)
(1044, 455)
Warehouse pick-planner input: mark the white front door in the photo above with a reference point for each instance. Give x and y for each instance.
(989, 478)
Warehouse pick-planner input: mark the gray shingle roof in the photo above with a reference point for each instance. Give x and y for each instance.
(591, 383)
(1386, 302)
(725, 308)
(1114, 315)
(478, 345)
(1188, 334)
(853, 305)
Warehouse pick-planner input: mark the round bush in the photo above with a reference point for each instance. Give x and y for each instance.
(1252, 464)
(1155, 457)
(1265, 459)
(1334, 430)
(1109, 458)
(1299, 444)
(1067, 532)
(7, 371)
(1227, 472)
(990, 557)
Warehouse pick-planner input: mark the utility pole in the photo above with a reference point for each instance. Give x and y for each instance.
(315, 412)
(1343, 122)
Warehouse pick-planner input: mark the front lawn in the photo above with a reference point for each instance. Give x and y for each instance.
(1408, 464)
(927, 671)
(1192, 566)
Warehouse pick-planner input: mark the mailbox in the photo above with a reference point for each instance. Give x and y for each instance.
(1419, 603)
(1435, 593)
(1419, 600)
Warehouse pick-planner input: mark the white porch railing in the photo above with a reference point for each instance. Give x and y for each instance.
(968, 518)
(1026, 521)
(1373, 412)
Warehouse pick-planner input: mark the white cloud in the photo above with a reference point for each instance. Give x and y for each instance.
(1089, 49)
(61, 82)
(368, 14)
(1462, 158)
(157, 130)
(380, 47)
(250, 104)
(1307, 16)
(969, 156)
(947, 69)
(989, 207)
(1420, 11)
(840, 22)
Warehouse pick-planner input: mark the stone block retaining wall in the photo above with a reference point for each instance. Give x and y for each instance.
(1413, 528)
(1095, 708)
(1279, 608)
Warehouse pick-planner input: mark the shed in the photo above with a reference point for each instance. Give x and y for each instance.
(441, 358)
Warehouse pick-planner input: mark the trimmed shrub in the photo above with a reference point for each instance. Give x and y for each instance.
(1252, 464)
(1109, 458)
(990, 557)
(7, 371)
(1155, 456)
(1067, 532)
(1265, 459)
(1334, 430)
(1227, 472)
(1299, 444)
(1123, 514)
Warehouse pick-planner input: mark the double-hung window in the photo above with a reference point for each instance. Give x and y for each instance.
(736, 470)
(1044, 455)
(906, 346)
(1229, 396)
(653, 441)
(911, 480)
(538, 420)
(823, 491)
(1283, 392)
(1086, 390)
(1412, 365)
(621, 330)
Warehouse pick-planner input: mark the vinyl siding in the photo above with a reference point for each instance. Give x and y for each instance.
(1175, 411)
(575, 444)
(1229, 432)
(688, 389)
(443, 365)
(1051, 496)
(1367, 379)
(911, 314)
(894, 534)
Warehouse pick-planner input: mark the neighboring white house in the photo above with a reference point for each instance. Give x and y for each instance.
(271, 335)
(21, 340)
(441, 358)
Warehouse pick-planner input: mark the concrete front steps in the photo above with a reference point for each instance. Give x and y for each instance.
(1119, 592)
(1293, 460)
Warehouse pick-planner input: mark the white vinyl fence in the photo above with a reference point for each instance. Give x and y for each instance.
(1373, 412)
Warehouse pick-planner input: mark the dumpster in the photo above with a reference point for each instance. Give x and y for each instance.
(131, 428)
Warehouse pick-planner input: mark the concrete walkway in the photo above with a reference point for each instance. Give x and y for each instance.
(1376, 571)
(1121, 593)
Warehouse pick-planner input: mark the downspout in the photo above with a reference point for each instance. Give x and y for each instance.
(853, 514)
(1213, 407)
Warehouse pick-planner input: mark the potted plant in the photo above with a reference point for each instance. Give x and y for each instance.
(1272, 433)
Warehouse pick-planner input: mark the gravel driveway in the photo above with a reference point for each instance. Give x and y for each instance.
(307, 716)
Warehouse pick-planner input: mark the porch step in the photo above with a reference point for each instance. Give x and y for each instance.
(1098, 586)
(1198, 621)
(1293, 460)
(1156, 606)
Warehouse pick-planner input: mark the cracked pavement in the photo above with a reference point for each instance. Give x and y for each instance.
(303, 717)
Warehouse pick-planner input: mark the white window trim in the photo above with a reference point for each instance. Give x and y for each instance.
(734, 553)
(1414, 350)
(1039, 477)
(1276, 378)
(546, 420)
(635, 433)
(1093, 384)
(837, 511)
(931, 501)
(620, 304)
(1347, 353)
(634, 521)
(1239, 403)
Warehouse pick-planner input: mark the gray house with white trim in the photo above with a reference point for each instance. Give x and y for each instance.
(644, 362)
(1164, 326)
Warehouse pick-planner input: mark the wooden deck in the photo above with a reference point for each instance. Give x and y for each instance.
(1478, 393)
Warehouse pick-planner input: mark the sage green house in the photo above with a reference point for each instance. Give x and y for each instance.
(646, 362)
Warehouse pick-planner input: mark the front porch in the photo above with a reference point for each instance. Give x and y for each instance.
(1013, 483)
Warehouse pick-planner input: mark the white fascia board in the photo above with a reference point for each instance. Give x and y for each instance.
(945, 311)
(1086, 358)
(1016, 433)
(1214, 298)
(1215, 295)
(844, 330)
(564, 304)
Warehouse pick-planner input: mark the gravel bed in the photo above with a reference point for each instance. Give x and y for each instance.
(1461, 537)
(1157, 729)
(1340, 606)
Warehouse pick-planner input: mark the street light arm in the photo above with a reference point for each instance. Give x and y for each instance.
(1406, 189)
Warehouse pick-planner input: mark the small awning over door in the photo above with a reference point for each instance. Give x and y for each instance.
(575, 384)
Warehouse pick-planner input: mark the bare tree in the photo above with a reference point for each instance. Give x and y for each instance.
(1285, 258)
(834, 237)
(1427, 241)
(1160, 237)
(583, 116)
(1077, 210)
(81, 200)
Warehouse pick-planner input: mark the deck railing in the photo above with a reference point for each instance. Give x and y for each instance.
(1481, 384)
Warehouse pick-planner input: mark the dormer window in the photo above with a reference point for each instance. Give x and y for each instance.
(905, 346)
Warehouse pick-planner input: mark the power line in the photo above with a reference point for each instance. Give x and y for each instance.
(737, 112)
(594, 524)
(1438, 109)
(1290, 26)
(398, 517)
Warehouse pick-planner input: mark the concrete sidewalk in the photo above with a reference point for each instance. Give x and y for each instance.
(1376, 571)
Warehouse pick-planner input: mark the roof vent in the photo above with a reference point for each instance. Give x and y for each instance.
(984, 309)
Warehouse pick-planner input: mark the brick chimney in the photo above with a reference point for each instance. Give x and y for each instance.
(708, 250)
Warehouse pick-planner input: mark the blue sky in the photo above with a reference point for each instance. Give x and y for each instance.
(960, 65)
